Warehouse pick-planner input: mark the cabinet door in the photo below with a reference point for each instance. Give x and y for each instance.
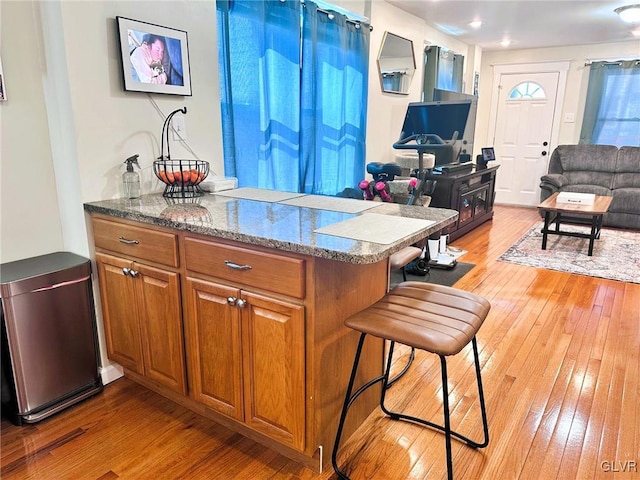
(214, 347)
(119, 312)
(160, 316)
(274, 368)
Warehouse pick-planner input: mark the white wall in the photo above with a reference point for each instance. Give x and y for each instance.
(29, 215)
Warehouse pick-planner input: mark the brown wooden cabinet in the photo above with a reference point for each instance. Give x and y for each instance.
(246, 358)
(469, 191)
(249, 336)
(119, 312)
(141, 304)
(142, 318)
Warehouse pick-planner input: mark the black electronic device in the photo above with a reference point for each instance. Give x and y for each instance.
(437, 118)
(488, 154)
(435, 127)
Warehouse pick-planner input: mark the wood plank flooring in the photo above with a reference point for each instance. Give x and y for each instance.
(560, 358)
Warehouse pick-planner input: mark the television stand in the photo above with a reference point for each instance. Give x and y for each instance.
(470, 191)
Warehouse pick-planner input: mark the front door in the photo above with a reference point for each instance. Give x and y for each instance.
(525, 111)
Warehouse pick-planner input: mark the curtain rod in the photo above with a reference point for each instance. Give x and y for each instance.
(609, 62)
(330, 14)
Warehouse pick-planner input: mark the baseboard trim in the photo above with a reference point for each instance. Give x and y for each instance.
(110, 373)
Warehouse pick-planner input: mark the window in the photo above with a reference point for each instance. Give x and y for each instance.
(612, 108)
(527, 91)
(294, 95)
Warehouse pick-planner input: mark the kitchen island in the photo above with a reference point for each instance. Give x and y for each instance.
(233, 304)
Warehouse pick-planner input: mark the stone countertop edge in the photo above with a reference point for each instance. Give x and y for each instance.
(370, 252)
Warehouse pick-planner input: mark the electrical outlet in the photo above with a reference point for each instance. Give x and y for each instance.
(179, 128)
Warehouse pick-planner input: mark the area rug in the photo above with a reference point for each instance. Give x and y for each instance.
(435, 275)
(616, 254)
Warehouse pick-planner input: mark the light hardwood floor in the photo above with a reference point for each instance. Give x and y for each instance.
(560, 358)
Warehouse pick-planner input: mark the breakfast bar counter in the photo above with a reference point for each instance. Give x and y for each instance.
(233, 304)
(282, 225)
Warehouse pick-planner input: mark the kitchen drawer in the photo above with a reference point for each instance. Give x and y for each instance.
(138, 242)
(275, 273)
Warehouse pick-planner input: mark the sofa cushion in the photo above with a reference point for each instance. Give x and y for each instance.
(626, 200)
(627, 168)
(585, 164)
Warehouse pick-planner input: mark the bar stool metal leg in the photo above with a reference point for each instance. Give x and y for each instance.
(412, 356)
(468, 441)
(446, 429)
(349, 399)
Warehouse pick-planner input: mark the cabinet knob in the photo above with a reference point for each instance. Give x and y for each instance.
(241, 303)
(126, 271)
(232, 301)
(133, 273)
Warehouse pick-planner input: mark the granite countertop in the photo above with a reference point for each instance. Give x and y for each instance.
(281, 224)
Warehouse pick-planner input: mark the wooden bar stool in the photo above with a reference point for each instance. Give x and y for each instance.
(434, 318)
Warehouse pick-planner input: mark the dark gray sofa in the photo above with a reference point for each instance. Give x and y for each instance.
(600, 169)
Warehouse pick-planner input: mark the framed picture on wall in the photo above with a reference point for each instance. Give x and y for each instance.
(155, 59)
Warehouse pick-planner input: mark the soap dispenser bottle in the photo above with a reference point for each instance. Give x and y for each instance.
(131, 178)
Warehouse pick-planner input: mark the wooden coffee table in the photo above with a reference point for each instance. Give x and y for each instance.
(573, 213)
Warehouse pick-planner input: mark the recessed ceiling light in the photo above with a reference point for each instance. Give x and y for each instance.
(629, 13)
(475, 24)
(505, 43)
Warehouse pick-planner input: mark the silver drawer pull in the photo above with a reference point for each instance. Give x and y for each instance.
(235, 266)
(128, 242)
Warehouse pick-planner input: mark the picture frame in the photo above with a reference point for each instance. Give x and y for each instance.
(155, 59)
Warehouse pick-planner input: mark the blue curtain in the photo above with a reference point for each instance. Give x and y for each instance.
(612, 108)
(293, 93)
(259, 86)
(335, 62)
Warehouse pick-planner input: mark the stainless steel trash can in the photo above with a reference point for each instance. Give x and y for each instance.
(49, 337)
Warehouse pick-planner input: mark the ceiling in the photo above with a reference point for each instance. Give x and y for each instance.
(527, 23)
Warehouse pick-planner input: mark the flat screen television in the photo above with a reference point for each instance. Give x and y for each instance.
(436, 118)
(441, 118)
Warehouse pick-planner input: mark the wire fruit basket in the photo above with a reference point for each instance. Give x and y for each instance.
(181, 177)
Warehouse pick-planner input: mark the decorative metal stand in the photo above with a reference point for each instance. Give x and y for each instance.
(181, 177)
